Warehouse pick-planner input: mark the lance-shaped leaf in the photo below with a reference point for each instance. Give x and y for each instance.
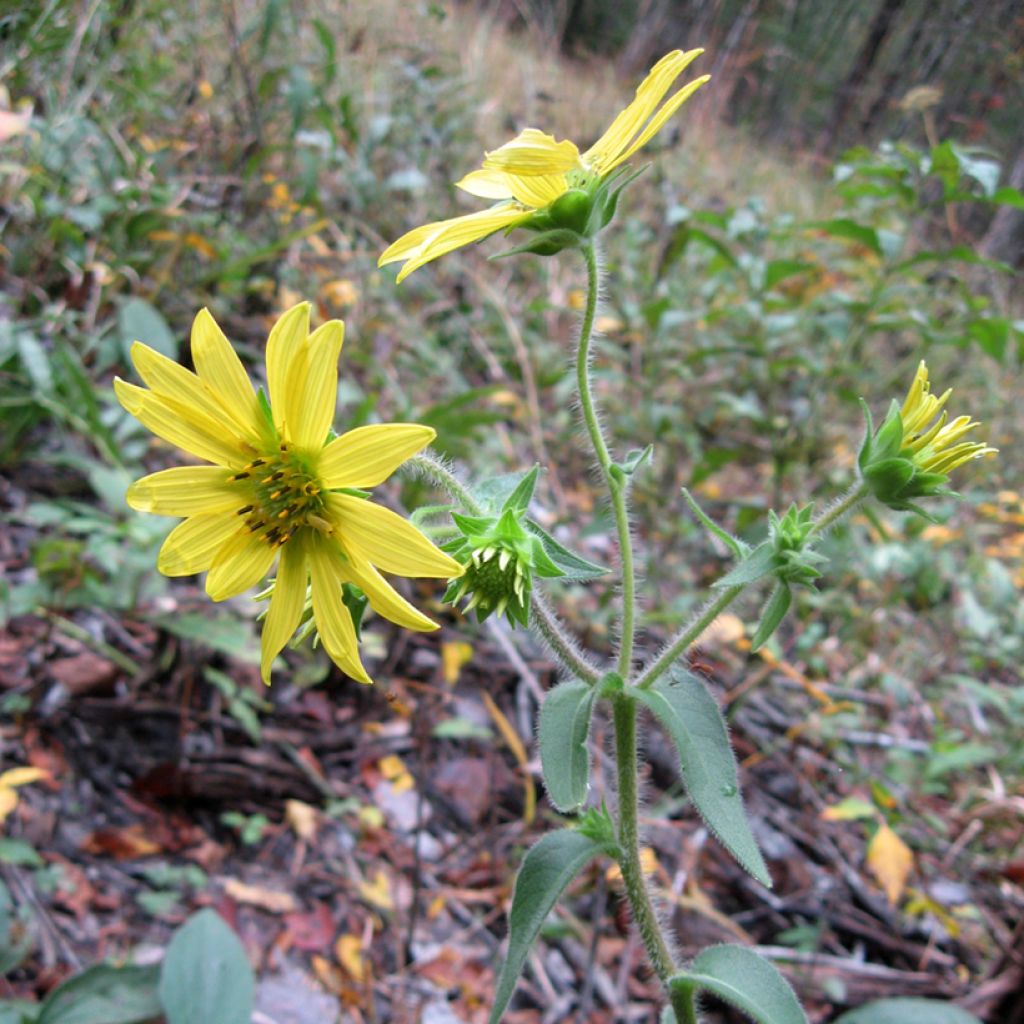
(547, 870)
(757, 563)
(774, 612)
(745, 980)
(562, 736)
(683, 705)
(573, 567)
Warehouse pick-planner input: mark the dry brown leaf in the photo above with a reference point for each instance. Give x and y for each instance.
(302, 819)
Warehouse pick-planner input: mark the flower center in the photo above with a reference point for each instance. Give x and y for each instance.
(282, 495)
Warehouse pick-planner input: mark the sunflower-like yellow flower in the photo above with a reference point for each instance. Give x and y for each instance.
(534, 170)
(278, 485)
(916, 448)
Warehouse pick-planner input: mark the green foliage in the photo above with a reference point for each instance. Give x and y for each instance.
(744, 980)
(547, 869)
(688, 712)
(908, 1011)
(562, 734)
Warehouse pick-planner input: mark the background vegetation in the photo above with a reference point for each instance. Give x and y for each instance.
(159, 156)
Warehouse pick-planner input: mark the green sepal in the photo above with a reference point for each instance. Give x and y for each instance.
(519, 499)
(774, 611)
(573, 567)
(353, 492)
(547, 243)
(571, 211)
(610, 684)
(738, 547)
(621, 179)
(888, 477)
(691, 716)
(745, 980)
(562, 733)
(543, 564)
(355, 601)
(635, 459)
(596, 823)
(472, 526)
(867, 445)
(267, 412)
(889, 438)
(548, 868)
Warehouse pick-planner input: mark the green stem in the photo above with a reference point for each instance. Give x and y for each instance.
(542, 617)
(616, 488)
(682, 1006)
(678, 647)
(624, 711)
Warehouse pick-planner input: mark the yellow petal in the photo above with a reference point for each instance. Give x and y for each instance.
(313, 395)
(409, 244)
(15, 777)
(380, 536)
(177, 386)
(242, 561)
(537, 190)
(286, 354)
(367, 456)
(607, 152)
(460, 231)
(534, 152)
(221, 370)
(658, 121)
(333, 620)
(179, 426)
(184, 491)
(192, 545)
(384, 599)
(486, 184)
(285, 606)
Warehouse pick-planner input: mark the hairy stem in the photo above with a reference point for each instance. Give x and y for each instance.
(624, 711)
(616, 487)
(712, 609)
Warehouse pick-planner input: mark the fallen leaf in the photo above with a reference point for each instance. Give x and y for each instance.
(454, 654)
(302, 819)
(378, 892)
(122, 843)
(272, 900)
(648, 864)
(311, 932)
(349, 951)
(890, 861)
(850, 809)
(394, 770)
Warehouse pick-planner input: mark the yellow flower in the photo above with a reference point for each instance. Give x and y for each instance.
(936, 448)
(533, 170)
(278, 484)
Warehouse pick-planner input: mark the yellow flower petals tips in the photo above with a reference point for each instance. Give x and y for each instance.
(276, 485)
(530, 172)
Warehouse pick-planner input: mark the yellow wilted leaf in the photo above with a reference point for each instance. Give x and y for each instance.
(378, 892)
(205, 89)
(608, 324)
(340, 292)
(371, 817)
(890, 861)
(302, 819)
(200, 244)
(850, 809)
(8, 801)
(577, 298)
(10, 780)
(515, 744)
(393, 769)
(454, 654)
(727, 628)
(274, 900)
(349, 951)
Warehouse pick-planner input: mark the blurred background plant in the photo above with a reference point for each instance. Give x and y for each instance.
(843, 199)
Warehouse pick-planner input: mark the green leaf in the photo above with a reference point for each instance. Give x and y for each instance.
(573, 567)
(206, 977)
(774, 612)
(104, 995)
(137, 320)
(779, 270)
(908, 1011)
(760, 562)
(223, 633)
(562, 733)
(1007, 196)
(745, 980)
(20, 853)
(547, 870)
(843, 227)
(734, 544)
(992, 333)
(690, 715)
(18, 1011)
(36, 362)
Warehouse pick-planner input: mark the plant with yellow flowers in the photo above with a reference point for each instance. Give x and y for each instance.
(278, 487)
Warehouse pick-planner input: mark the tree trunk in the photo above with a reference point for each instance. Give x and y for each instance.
(848, 93)
(1004, 239)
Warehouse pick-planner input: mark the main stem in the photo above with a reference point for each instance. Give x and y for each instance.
(624, 707)
(616, 487)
